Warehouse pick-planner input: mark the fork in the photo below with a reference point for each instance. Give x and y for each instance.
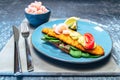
(25, 33)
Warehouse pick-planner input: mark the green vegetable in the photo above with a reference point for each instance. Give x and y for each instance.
(55, 41)
(50, 39)
(73, 48)
(87, 55)
(74, 52)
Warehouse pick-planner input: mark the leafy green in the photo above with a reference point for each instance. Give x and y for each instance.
(74, 52)
(50, 39)
(73, 48)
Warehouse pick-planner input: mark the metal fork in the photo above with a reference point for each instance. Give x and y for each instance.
(25, 33)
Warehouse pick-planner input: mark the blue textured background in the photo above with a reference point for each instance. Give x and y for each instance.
(106, 12)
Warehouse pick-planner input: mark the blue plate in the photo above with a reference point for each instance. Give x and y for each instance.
(101, 37)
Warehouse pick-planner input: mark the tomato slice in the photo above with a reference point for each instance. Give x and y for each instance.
(89, 41)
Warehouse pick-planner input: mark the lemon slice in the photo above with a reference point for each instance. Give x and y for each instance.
(72, 22)
(75, 35)
(81, 40)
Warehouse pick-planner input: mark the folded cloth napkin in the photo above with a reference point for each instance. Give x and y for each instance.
(48, 66)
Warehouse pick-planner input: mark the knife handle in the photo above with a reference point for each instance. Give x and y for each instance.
(17, 62)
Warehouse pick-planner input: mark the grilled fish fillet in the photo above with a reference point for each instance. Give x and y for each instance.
(98, 50)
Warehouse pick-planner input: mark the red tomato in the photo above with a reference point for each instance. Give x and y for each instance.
(89, 41)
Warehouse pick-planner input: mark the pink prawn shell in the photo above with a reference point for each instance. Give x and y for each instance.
(61, 28)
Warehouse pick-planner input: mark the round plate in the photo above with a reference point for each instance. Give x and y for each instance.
(101, 37)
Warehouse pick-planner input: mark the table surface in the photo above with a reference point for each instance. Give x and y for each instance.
(106, 12)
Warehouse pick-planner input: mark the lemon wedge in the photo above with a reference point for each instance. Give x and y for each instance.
(72, 23)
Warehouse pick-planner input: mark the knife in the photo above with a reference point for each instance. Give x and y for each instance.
(17, 62)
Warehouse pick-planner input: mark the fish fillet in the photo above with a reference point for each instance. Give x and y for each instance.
(98, 50)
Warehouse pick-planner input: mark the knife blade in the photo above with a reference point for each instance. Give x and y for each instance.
(17, 61)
